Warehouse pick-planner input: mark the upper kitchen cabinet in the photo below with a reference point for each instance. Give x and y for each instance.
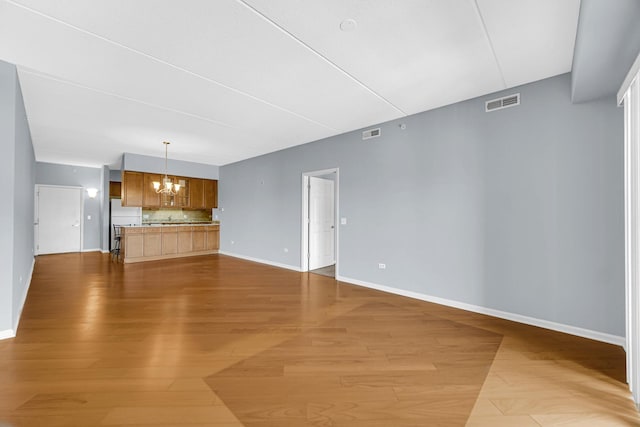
(132, 188)
(196, 193)
(210, 193)
(115, 190)
(204, 193)
(182, 197)
(151, 198)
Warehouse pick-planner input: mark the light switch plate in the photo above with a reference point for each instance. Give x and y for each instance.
(343, 221)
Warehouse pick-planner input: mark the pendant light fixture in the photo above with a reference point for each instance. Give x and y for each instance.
(167, 187)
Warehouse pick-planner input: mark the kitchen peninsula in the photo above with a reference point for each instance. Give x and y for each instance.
(163, 241)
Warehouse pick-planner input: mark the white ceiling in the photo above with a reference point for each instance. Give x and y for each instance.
(226, 80)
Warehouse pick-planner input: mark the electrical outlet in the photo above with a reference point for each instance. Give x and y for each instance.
(286, 250)
(343, 221)
(232, 242)
(382, 266)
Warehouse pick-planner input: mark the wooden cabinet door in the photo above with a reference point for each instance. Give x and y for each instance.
(181, 198)
(151, 199)
(213, 238)
(169, 240)
(184, 239)
(196, 196)
(198, 239)
(115, 190)
(133, 244)
(210, 193)
(132, 188)
(152, 242)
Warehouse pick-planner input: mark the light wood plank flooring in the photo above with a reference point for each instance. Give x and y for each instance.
(218, 341)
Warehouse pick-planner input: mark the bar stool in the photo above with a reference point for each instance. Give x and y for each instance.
(117, 238)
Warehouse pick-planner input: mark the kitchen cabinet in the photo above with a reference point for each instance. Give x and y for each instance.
(115, 190)
(181, 198)
(151, 199)
(132, 188)
(195, 193)
(169, 240)
(133, 243)
(148, 243)
(196, 196)
(198, 239)
(204, 193)
(210, 193)
(213, 237)
(184, 239)
(152, 241)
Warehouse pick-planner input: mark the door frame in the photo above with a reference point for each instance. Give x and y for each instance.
(36, 218)
(304, 222)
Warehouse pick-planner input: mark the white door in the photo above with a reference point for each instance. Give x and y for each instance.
(321, 223)
(58, 219)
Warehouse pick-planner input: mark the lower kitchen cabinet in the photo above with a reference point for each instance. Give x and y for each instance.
(152, 242)
(169, 240)
(184, 240)
(148, 243)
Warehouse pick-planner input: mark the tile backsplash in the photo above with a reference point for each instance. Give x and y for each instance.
(175, 215)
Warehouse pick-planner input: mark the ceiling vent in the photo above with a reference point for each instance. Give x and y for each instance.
(371, 133)
(500, 103)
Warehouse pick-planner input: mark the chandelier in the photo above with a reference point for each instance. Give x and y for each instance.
(167, 186)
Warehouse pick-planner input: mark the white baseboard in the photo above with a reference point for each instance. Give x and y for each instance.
(7, 333)
(261, 261)
(23, 298)
(92, 250)
(104, 252)
(572, 330)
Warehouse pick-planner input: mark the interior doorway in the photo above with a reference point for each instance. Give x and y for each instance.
(58, 219)
(319, 219)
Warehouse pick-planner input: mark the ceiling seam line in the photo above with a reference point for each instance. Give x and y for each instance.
(324, 58)
(115, 95)
(493, 51)
(176, 67)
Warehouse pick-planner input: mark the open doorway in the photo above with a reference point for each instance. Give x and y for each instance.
(319, 215)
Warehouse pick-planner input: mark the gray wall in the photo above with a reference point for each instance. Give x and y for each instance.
(17, 165)
(106, 208)
(519, 210)
(607, 43)
(23, 208)
(79, 176)
(115, 175)
(7, 175)
(140, 163)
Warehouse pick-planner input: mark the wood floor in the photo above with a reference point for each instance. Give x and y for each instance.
(218, 341)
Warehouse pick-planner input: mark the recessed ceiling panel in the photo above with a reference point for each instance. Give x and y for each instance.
(83, 59)
(229, 43)
(418, 54)
(97, 128)
(229, 79)
(533, 39)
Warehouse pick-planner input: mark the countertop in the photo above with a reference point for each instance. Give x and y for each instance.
(172, 224)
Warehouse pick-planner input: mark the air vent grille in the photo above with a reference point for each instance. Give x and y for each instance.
(371, 133)
(504, 102)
